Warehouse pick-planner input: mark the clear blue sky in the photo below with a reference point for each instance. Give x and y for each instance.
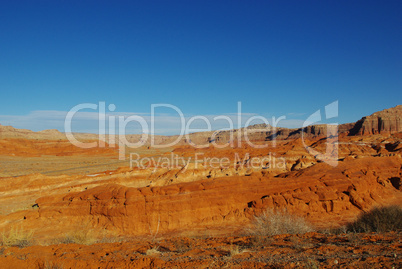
(276, 57)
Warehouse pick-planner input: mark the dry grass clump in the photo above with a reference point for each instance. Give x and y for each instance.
(82, 237)
(16, 238)
(273, 222)
(153, 251)
(86, 234)
(233, 250)
(83, 234)
(88, 237)
(380, 219)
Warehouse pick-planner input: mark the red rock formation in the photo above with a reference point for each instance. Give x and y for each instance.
(325, 195)
(387, 121)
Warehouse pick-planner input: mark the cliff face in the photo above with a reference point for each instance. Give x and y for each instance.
(387, 121)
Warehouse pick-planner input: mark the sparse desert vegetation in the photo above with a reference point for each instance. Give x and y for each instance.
(284, 251)
(83, 237)
(379, 219)
(16, 237)
(272, 222)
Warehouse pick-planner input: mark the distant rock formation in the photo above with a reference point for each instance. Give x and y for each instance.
(387, 121)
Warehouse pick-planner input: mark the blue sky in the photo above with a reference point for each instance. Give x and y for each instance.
(276, 57)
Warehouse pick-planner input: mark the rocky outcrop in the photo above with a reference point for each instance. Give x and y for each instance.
(387, 121)
(323, 194)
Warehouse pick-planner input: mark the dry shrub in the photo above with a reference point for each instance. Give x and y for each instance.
(82, 237)
(153, 251)
(82, 234)
(278, 222)
(233, 250)
(87, 237)
(110, 236)
(16, 238)
(380, 219)
(86, 234)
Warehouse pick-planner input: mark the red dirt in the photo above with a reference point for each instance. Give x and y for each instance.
(312, 250)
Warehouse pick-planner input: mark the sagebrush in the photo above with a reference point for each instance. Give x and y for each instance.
(379, 219)
(273, 222)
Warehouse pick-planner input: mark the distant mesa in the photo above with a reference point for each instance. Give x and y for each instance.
(50, 131)
(387, 121)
